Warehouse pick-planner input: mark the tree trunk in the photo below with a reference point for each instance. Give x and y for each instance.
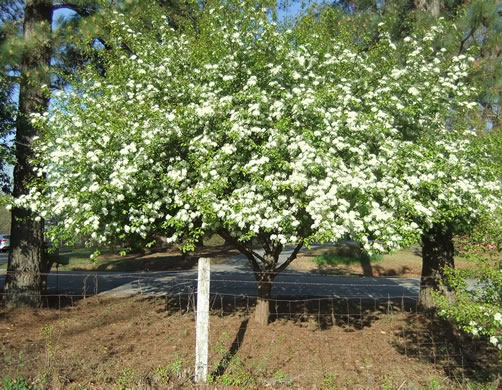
(365, 261)
(262, 312)
(25, 282)
(265, 269)
(437, 253)
(431, 6)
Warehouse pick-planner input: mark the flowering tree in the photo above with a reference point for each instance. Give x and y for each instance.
(450, 190)
(257, 133)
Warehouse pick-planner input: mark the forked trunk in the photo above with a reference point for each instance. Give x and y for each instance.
(265, 268)
(437, 253)
(262, 311)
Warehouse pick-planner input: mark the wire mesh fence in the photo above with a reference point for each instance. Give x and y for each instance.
(138, 331)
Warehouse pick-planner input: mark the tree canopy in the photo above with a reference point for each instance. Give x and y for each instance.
(261, 133)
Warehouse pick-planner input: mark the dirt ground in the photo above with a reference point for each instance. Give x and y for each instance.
(152, 260)
(139, 343)
(406, 263)
(149, 344)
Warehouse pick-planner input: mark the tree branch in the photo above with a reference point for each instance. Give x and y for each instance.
(81, 10)
(266, 242)
(284, 265)
(276, 250)
(250, 254)
(463, 41)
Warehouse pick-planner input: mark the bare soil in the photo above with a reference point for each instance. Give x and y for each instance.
(149, 344)
(139, 343)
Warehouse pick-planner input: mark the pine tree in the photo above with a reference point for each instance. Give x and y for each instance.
(7, 110)
(26, 264)
(30, 48)
(35, 56)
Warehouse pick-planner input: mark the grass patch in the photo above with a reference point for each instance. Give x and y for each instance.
(348, 253)
(334, 259)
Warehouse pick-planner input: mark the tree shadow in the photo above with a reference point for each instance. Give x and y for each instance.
(346, 253)
(376, 270)
(335, 271)
(437, 341)
(140, 263)
(61, 301)
(50, 302)
(381, 271)
(417, 251)
(234, 348)
(351, 314)
(156, 260)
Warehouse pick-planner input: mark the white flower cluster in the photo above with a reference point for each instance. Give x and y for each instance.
(487, 329)
(264, 136)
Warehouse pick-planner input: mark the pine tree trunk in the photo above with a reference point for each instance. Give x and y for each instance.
(262, 312)
(25, 282)
(431, 6)
(437, 252)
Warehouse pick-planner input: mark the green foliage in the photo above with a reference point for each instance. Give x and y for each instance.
(18, 383)
(236, 374)
(477, 307)
(162, 374)
(124, 381)
(329, 382)
(7, 118)
(475, 24)
(175, 367)
(434, 384)
(330, 259)
(5, 220)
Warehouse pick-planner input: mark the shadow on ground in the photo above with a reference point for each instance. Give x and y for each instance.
(139, 263)
(319, 313)
(153, 261)
(368, 270)
(461, 357)
(423, 337)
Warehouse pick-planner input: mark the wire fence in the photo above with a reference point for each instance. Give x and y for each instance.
(348, 332)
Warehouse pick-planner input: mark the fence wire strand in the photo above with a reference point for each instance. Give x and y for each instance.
(352, 313)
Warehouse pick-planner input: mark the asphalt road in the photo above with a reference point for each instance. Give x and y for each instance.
(232, 277)
(3, 257)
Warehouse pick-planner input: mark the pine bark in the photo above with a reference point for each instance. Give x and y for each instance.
(27, 266)
(437, 253)
(431, 6)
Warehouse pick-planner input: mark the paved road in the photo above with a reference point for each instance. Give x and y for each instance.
(3, 257)
(233, 277)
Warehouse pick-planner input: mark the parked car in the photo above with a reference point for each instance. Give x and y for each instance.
(4, 242)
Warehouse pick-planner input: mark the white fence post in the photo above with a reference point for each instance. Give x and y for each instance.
(202, 321)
